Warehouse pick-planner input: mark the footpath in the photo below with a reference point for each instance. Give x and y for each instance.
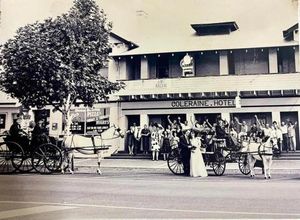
(279, 166)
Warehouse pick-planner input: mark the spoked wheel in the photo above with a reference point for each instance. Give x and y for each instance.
(47, 158)
(244, 164)
(27, 164)
(11, 157)
(219, 163)
(175, 163)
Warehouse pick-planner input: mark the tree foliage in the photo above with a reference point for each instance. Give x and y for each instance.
(58, 61)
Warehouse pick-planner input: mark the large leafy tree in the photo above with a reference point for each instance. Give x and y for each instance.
(58, 61)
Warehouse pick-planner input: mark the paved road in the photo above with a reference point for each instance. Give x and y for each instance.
(147, 193)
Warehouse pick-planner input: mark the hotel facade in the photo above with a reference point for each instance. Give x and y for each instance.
(217, 68)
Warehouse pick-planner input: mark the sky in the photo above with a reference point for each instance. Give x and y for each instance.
(137, 20)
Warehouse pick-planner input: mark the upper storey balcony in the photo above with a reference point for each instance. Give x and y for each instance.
(188, 87)
(243, 70)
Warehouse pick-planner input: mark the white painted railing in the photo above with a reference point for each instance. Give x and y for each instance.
(227, 83)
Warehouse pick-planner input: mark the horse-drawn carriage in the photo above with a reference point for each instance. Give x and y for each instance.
(247, 154)
(55, 155)
(211, 153)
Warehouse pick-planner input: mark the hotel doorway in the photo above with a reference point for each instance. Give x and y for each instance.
(212, 117)
(292, 117)
(264, 118)
(163, 119)
(133, 119)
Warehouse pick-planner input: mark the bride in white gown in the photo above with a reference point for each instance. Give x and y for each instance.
(197, 166)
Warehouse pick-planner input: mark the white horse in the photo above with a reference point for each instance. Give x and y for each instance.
(103, 145)
(262, 152)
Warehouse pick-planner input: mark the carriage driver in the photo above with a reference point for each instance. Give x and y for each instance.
(17, 134)
(221, 131)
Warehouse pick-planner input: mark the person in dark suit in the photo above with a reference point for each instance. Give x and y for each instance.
(17, 134)
(39, 135)
(185, 145)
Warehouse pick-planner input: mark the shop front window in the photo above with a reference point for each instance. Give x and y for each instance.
(2, 121)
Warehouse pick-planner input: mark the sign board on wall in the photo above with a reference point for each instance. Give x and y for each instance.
(90, 120)
(204, 103)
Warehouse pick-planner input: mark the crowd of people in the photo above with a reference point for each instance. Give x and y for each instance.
(193, 137)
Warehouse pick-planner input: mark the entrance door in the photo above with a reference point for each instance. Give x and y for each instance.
(163, 119)
(293, 117)
(212, 117)
(133, 119)
(249, 118)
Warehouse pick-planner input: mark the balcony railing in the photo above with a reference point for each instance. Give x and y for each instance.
(228, 83)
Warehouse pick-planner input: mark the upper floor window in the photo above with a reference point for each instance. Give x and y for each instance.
(286, 60)
(248, 61)
(162, 66)
(134, 68)
(207, 63)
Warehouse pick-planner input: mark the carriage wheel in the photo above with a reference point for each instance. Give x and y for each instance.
(174, 162)
(219, 163)
(47, 158)
(11, 157)
(244, 164)
(27, 164)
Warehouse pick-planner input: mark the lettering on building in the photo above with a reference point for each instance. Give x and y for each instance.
(160, 84)
(205, 103)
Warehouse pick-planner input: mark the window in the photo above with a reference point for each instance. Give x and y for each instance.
(249, 61)
(207, 64)
(162, 67)
(2, 121)
(286, 60)
(134, 68)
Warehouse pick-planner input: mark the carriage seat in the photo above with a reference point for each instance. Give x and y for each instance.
(219, 142)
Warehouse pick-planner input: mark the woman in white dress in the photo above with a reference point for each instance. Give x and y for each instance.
(197, 166)
(155, 146)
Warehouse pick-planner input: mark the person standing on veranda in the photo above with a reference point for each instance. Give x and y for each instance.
(284, 131)
(291, 136)
(166, 144)
(155, 146)
(145, 139)
(197, 166)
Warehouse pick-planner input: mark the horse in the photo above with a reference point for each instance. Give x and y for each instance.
(261, 152)
(103, 145)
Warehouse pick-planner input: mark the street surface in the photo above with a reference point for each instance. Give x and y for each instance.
(148, 193)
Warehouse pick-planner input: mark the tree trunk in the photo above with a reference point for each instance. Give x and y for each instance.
(67, 117)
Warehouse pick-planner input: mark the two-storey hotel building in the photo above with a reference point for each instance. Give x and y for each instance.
(205, 72)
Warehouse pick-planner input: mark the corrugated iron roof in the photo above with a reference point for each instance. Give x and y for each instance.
(260, 23)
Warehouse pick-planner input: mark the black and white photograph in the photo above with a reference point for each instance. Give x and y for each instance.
(149, 109)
